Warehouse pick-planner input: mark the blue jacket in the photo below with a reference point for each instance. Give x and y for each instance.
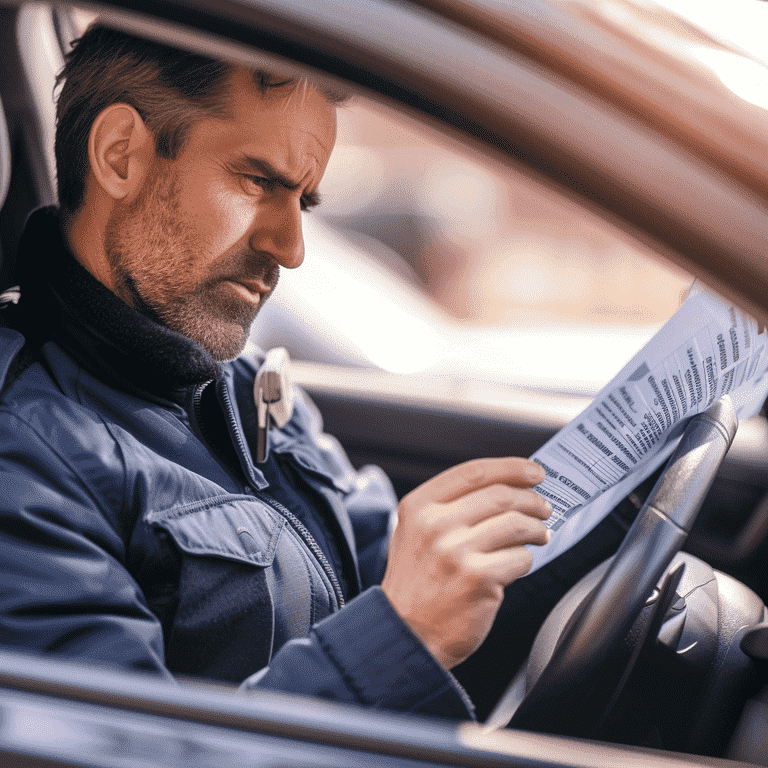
(136, 529)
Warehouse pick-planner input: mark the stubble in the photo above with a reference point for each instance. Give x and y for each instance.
(152, 253)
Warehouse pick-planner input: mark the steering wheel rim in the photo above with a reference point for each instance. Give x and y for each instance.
(556, 700)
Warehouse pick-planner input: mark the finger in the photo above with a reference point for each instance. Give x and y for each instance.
(509, 530)
(464, 478)
(492, 501)
(500, 499)
(502, 566)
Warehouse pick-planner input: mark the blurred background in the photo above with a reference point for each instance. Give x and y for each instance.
(486, 246)
(517, 254)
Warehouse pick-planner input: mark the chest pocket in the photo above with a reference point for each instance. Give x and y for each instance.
(244, 584)
(238, 528)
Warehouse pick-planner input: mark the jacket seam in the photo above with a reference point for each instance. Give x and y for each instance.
(201, 505)
(346, 678)
(312, 595)
(211, 552)
(124, 509)
(304, 558)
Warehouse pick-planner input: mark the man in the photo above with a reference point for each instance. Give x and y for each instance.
(137, 529)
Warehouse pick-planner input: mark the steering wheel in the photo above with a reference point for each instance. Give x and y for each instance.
(569, 695)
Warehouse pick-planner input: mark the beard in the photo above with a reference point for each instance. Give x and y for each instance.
(150, 246)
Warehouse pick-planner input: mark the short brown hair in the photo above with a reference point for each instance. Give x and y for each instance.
(169, 88)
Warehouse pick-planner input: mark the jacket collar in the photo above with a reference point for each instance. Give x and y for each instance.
(62, 302)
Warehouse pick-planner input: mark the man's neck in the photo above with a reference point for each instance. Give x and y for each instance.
(63, 302)
(85, 234)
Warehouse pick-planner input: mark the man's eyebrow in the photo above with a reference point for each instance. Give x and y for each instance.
(260, 167)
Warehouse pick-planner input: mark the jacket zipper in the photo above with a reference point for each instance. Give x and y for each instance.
(197, 409)
(308, 539)
(294, 521)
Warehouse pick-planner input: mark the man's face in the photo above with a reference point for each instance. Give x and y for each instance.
(202, 245)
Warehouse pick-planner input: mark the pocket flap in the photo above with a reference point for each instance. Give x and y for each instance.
(233, 527)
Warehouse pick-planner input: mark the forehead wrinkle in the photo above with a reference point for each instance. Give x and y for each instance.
(295, 135)
(305, 148)
(292, 164)
(309, 147)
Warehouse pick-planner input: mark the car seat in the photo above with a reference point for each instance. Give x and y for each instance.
(30, 56)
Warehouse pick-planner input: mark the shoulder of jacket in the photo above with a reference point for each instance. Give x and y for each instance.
(15, 356)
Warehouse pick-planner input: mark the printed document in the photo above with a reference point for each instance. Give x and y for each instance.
(707, 349)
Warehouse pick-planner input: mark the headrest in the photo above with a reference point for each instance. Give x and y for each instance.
(5, 157)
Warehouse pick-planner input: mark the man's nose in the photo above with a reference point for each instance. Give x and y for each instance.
(279, 232)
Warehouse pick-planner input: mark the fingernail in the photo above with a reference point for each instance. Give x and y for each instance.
(535, 472)
(547, 506)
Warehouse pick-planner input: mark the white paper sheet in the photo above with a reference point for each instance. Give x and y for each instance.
(707, 349)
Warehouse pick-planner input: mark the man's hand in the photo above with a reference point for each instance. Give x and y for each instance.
(458, 542)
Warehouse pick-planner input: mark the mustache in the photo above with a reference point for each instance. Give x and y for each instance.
(250, 267)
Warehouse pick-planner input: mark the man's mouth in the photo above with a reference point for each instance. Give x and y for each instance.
(249, 290)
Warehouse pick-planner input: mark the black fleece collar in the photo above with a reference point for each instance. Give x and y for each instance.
(62, 302)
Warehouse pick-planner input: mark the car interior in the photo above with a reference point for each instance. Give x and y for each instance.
(673, 676)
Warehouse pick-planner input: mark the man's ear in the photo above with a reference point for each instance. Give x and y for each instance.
(121, 150)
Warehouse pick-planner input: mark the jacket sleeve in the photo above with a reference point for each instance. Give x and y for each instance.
(64, 588)
(366, 654)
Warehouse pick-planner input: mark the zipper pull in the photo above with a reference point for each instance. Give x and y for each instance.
(11, 296)
(273, 395)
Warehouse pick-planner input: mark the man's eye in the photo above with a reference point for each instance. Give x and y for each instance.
(260, 181)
